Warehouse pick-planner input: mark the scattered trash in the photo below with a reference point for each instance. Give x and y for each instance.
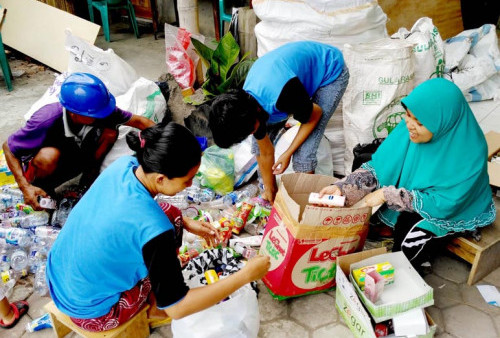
(490, 294)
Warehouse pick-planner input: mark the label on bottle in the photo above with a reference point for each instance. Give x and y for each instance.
(330, 200)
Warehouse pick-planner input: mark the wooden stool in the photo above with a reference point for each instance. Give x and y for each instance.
(483, 255)
(137, 327)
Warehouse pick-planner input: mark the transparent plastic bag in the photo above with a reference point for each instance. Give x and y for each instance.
(217, 170)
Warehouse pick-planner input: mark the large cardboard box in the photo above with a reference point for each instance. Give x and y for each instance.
(349, 304)
(303, 241)
(493, 140)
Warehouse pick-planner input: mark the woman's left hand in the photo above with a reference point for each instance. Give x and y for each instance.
(281, 164)
(202, 229)
(375, 198)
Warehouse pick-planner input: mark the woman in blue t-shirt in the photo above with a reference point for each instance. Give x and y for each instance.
(118, 245)
(303, 79)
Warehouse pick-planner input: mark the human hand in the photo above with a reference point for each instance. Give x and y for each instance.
(31, 193)
(281, 164)
(330, 190)
(257, 267)
(375, 198)
(270, 194)
(202, 229)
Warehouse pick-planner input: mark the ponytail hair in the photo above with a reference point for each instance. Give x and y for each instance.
(168, 149)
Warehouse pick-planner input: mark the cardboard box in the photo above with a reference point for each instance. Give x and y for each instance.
(6, 176)
(493, 140)
(303, 241)
(348, 303)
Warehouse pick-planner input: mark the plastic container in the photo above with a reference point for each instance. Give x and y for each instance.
(61, 214)
(40, 284)
(18, 237)
(19, 260)
(240, 195)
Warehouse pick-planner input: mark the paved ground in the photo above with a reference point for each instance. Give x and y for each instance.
(459, 310)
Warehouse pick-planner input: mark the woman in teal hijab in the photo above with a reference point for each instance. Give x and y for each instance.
(431, 172)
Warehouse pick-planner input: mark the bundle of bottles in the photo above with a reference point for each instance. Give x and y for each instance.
(26, 237)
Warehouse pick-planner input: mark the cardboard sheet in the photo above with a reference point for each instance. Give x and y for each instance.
(37, 30)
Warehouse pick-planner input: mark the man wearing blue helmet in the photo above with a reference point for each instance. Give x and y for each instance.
(64, 139)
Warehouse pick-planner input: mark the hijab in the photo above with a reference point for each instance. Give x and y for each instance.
(447, 175)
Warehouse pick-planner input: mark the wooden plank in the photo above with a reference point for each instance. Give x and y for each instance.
(446, 15)
(462, 249)
(486, 261)
(37, 30)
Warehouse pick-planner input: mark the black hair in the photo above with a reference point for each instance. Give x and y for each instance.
(232, 117)
(169, 149)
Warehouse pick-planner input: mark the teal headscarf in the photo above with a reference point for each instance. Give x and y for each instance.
(447, 175)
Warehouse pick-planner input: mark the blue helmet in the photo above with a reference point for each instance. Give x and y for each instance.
(84, 94)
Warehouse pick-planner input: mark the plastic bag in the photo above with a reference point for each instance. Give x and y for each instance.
(236, 317)
(181, 58)
(217, 170)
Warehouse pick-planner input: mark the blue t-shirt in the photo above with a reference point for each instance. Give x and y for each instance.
(313, 63)
(98, 253)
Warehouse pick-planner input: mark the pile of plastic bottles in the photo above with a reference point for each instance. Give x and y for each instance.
(231, 214)
(25, 239)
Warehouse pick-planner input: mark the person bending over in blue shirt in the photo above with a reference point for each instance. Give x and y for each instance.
(305, 79)
(118, 245)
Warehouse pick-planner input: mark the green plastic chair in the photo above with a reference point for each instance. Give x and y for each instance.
(103, 7)
(4, 63)
(223, 17)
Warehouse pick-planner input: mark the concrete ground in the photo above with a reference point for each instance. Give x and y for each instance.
(459, 309)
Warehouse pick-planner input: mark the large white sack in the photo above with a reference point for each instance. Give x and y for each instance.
(334, 133)
(428, 49)
(489, 89)
(472, 71)
(381, 74)
(330, 22)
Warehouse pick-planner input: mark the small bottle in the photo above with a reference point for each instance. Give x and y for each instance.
(5, 258)
(19, 260)
(19, 237)
(46, 231)
(6, 288)
(240, 195)
(61, 214)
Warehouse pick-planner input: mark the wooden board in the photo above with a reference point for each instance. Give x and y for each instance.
(446, 14)
(483, 255)
(37, 30)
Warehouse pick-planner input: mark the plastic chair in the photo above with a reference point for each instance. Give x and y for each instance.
(103, 7)
(223, 17)
(4, 63)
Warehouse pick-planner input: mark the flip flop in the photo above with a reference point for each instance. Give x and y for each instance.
(20, 308)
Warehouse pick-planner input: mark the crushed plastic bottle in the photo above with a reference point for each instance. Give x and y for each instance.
(19, 237)
(240, 195)
(40, 284)
(61, 214)
(19, 260)
(179, 200)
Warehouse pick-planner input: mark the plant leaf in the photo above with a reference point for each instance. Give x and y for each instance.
(203, 51)
(224, 56)
(239, 73)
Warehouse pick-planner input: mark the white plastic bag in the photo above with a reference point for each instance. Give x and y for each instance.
(323, 155)
(237, 317)
(245, 163)
(381, 74)
(428, 49)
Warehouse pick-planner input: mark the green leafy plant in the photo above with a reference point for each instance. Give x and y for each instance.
(223, 72)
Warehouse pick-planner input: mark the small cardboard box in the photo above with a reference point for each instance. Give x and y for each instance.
(6, 176)
(493, 140)
(349, 304)
(303, 241)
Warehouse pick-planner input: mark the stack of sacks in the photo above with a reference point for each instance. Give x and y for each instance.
(330, 22)
(473, 63)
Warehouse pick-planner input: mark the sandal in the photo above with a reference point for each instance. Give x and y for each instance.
(154, 323)
(20, 308)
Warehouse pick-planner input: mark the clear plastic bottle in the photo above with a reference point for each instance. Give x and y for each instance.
(19, 237)
(6, 288)
(240, 195)
(19, 260)
(35, 257)
(35, 219)
(61, 214)
(40, 284)
(179, 200)
(5, 258)
(200, 195)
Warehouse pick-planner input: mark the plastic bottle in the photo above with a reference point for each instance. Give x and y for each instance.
(199, 195)
(5, 288)
(179, 200)
(240, 195)
(18, 237)
(36, 219)
(4, 258)
(19, 260)
(61, 214)
(46, 231)
(35, 257)
(40, 284)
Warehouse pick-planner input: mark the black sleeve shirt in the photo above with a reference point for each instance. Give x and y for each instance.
(165, 273)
